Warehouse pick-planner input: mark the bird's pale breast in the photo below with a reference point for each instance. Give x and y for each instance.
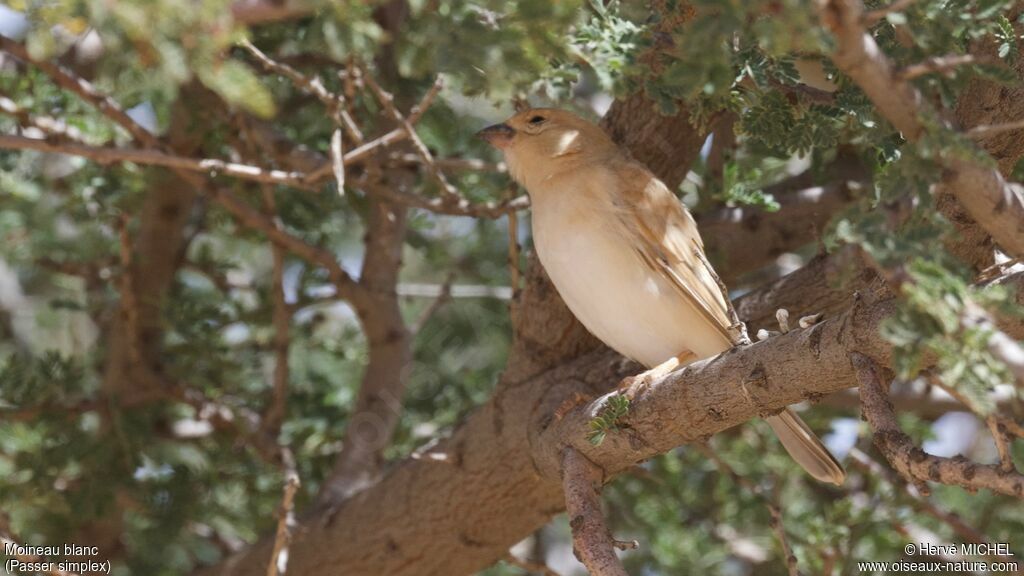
(629, 306)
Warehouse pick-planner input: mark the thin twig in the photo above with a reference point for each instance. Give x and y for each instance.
(49, 126)
(592, 543)
(991, 129)
(346, 287)
(421, 107)
(528, 566)
(208, 166)
(443, 298)
(918, 500)
(1002, 428)
(333, 102)
(513, 251)
(439, 205)
(1002, 438)
(774, 510)
(936, 64)
(448, 192)
(286, 517)
(129, 302)
(281, 320)
(453, 163)
(387, 100)
(364, 149)
(69, 81)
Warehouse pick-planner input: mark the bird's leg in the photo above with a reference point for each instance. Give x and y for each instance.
(633, 385)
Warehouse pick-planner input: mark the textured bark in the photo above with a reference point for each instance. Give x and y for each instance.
(744, 239)
(987, 102)
(157, 252)
(826, 285)
(592, 541)
(911, 461)
(486, 458)
(134, 370)
(379, 403)
(994, 204)
(458, 507)
(666, 145)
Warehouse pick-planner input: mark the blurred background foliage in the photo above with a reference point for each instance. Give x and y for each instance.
(189, 499)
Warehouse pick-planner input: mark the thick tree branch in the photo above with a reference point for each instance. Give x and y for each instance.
(281, 318)
(996, 205)
(870, 467)
(208, 166)
(378, 405)
(468, 501)
(592, 544)
(910, 460)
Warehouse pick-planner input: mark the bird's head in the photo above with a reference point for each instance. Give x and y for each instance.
(541, 142)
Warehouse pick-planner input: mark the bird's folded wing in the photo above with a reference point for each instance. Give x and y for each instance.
(667, 240)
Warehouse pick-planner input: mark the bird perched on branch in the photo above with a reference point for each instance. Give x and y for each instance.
(626, 257)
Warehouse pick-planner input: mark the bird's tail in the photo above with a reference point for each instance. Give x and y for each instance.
(808, 451)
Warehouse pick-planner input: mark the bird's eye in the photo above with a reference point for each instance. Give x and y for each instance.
(536, 120)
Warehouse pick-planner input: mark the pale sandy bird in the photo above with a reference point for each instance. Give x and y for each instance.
(626, 256)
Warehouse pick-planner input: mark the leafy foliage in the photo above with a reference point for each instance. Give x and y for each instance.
(608, 419)
(178, 494)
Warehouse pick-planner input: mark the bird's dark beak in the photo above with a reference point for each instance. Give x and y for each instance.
(498, 135)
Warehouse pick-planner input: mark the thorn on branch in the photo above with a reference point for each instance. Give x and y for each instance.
(338, 161)
(782, 316)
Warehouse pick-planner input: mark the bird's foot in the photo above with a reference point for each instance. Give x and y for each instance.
(633, 385)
